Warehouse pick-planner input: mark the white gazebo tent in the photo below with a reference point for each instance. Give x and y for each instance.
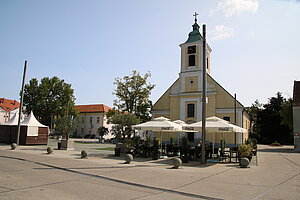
(6, 129)
(159, 124)
(32, 125)
(215, 125)
(31, 132)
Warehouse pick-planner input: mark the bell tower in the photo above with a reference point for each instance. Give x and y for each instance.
(191, 60)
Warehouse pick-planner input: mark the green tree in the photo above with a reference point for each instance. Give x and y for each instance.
(253, 111)
(65, 126)
(102, 131)
(270, 124)
(133, 93)
(286, 113)
(122, 123)
(52, 97)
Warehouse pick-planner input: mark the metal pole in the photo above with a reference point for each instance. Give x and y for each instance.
(234, 108)
(203, 159)
(234, 118)
(21, 103)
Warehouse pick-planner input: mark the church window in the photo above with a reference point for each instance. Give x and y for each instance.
(191, 136)
(82, 119)
(191, 49)
(192, 55)
(91, 120)
(190, 110)
(207, 63)
(98, 120)
(192, 60)
(226, 118)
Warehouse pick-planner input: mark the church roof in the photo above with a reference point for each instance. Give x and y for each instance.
(97, 108)
(296, 93)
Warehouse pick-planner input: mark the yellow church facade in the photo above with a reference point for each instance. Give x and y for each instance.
(183, 99)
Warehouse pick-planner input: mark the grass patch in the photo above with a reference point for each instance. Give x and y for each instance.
(87, 142)
(106, 149)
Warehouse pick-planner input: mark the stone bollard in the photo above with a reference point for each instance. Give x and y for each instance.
(84, 154)
(244, 162)
(128, 158)
(13, 146)
(176, 163)
(49, 150)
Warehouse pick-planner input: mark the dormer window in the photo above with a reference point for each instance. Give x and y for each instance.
(192, 55)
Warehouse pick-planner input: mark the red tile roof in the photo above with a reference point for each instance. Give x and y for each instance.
(92, 108)
(8, 105)
(296, 96)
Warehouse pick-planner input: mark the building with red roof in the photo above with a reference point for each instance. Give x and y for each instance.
(7, 109)
(90, 118)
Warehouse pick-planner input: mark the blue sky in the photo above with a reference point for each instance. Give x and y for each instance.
(89, 43)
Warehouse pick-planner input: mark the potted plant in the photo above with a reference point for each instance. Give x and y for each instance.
(65, 126)
(245, 154)
(128, 144)
(184, 150)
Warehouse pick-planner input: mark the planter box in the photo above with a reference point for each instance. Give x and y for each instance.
(67, 145)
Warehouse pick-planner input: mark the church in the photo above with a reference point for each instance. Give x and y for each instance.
(182, 100)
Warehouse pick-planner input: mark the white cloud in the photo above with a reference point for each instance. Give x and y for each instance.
(221, 32)
(231, 7)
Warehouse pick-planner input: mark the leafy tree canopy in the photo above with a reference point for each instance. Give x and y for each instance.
(65, 126)
(273, 120)
(51, 97)
(122, 123)
(133, 93)
(102, 131)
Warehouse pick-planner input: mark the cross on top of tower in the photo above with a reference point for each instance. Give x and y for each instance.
(195, 15)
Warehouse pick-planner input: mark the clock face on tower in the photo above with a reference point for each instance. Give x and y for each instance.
(191, 49)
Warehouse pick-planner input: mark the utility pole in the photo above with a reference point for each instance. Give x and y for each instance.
(235, 117)
(234, 108)
(21, 103)
(203, 159)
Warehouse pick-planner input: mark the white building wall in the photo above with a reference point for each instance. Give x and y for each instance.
(5, 116)
(88, 124)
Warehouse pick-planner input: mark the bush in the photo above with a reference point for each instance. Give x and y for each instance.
(275, 144)
(245, 150)
(252, 142)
